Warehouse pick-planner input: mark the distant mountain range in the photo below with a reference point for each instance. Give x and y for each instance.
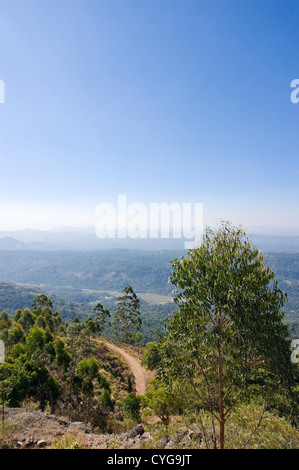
(85, 239)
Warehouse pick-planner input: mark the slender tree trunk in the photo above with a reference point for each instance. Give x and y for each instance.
(220, 383)
(221, 408)
(221, 425)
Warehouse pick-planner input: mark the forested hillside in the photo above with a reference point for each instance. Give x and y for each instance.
(14, 296)
(76, 281)
(107, 270)
(56, 366)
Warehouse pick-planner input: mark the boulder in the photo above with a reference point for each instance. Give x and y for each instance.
(134, 432)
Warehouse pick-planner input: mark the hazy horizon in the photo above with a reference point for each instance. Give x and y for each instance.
(269, 230)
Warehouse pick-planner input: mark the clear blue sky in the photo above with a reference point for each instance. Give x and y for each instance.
(161, 100)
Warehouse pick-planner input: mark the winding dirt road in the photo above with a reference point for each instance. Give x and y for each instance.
(142, 376)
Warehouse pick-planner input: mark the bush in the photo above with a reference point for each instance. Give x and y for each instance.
(68, 441)
(274, 432)
(131, 407)
(151, 356)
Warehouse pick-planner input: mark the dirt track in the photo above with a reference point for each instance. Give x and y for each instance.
(142, 376)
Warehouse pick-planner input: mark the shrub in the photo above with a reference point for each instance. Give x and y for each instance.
(131, 407)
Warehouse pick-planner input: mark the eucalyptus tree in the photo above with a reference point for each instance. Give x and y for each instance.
(229, 327)
(101, 317)
(42, 301)
(126, 322)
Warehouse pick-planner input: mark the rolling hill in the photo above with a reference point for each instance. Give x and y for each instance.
(76, 280)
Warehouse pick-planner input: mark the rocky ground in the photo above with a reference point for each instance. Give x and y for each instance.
(28, 429)
(35, 429)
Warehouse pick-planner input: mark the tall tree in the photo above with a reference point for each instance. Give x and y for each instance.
(127, 319)
(229, 328)
(101, 316)
(42, 301)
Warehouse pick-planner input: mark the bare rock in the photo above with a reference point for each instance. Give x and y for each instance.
(41, 443)
(134, 432)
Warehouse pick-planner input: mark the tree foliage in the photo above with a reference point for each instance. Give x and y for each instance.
(131, 406)
(229, 328)
(151, 357)
(127, 319)
(50, 363)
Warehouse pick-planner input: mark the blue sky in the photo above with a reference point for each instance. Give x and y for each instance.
(161, 100)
